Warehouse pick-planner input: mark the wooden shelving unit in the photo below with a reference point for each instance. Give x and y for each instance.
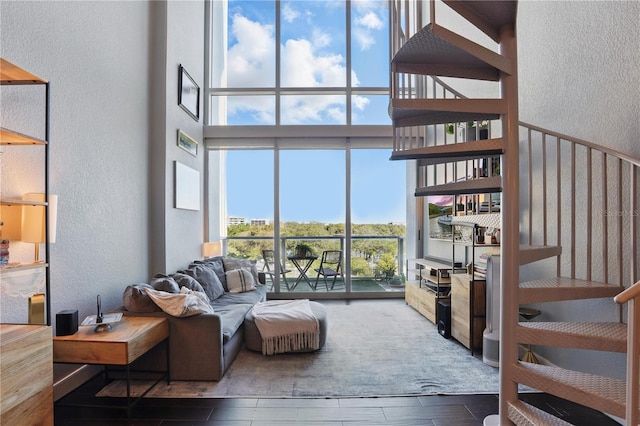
(431, 283)
(13, 75)
(468, 310)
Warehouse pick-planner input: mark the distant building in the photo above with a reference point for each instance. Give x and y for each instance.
(260, 222)
(235, 221)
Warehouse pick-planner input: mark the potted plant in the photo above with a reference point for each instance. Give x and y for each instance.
(397, 280)
(470, 129)
(387, 266)
(482, 131)
(303, 250)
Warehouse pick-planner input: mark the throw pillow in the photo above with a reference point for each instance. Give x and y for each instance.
(207, 279)
(231, 263)
(183, 304)
(184, 280)
(164, 283)
(135, 299)
(216, 264)
(240, 281)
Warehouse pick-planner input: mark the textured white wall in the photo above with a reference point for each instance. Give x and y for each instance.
(185, 45)
(113, 68)
(579, 69)
(99, 140)
(579, 74)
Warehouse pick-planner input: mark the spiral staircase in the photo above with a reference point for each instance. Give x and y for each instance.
(598, 260)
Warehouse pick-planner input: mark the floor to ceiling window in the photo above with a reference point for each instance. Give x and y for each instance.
(297, 99)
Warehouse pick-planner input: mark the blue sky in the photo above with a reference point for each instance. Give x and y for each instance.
(313, 50)
(313, 54)
(312, 186)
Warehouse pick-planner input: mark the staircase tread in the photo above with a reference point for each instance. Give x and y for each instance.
(524, 414)
(453, 151)
(488, 16)
(601, 393)
(602, 336)
(561, 288)
(419, 112)
(471, 186)
(533, 253)
(434, 50)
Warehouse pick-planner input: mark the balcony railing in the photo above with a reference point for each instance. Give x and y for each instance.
(287, 247)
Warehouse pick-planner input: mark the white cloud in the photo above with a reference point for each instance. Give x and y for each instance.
(370, 20)
(301, 67)
(289, 14)
(363, 38)
(367, 20)
(260, 108)
(251, 61)
(313, 109)
(360, 102)
(321, 38)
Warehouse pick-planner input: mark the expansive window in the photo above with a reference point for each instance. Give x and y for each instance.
(297, 100)
(298, 62)
(312, 199)
(378, 215)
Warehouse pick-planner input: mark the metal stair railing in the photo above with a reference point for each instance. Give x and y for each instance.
(584, 198)
(631, 297)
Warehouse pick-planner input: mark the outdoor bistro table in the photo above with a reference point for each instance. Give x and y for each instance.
(302, 264)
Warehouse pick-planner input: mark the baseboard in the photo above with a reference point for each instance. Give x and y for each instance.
(74, 379)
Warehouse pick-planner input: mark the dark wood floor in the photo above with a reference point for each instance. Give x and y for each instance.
(451, 410)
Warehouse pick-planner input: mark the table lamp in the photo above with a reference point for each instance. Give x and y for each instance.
(211, 249)
(33, 220)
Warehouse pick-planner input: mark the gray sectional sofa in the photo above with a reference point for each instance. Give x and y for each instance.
(201, 346)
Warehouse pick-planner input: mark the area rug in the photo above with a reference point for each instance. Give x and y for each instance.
(374, 348)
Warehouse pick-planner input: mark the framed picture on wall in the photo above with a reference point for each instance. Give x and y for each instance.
(188, 94)
(187, 187)
(187, 143)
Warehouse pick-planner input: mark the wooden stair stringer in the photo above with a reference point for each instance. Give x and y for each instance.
(488, 17)
(446, 153)
(601, 393)
(555, 289)
(598, 336)
(524, 414)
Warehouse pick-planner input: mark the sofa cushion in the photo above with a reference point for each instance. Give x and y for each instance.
(240, 281)
(163, 282)
(184, 304)
(232, 318)
(231, 263)
(216, 264)
(207, 279)
(187, 281)
(135, 299)
(249, 297)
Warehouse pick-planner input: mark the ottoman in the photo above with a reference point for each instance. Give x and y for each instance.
(253, 340)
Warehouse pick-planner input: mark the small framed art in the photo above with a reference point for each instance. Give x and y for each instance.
(188, 94)
(187, 143)
(187, 187)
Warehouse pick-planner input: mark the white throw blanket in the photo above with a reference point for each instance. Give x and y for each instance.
(286, 325)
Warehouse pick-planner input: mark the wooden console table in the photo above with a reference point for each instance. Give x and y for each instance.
(127, 341)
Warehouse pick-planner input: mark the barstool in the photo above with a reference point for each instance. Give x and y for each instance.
(528, 314)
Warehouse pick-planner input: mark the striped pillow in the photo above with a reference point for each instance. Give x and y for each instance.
(240, 281)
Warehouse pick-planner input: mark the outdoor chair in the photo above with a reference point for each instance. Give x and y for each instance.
(330, 267)
(270, 270)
